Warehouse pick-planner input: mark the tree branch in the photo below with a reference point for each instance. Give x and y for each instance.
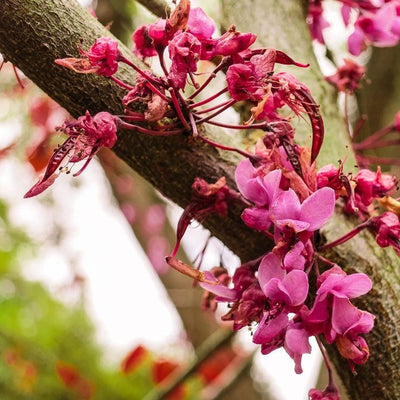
(35, 32)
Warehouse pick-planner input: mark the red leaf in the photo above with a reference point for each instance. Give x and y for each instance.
(133, 359)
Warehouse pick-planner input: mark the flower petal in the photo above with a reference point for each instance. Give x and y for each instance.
(318, 208)
(257, 218)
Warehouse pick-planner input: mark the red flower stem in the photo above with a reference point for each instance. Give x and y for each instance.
(331, 385)
(347, 236)
(194, 83)
(17, 76)
(151, 132)
(139, 117)
(156, 91)
(208, 80)
(162, 63)
(261, 125)
(200, 103)
(212, 108)
(269, 235)
(228, 148)
(138, 70)
(346, 115)
(382, 143)
(120, 83)
(325, 260)
(130, 112)
(229, 104)
(359, 125)
(374, 137)
(195, 133)
(178, 109)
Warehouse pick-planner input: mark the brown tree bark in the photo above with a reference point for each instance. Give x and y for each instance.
(34, 33)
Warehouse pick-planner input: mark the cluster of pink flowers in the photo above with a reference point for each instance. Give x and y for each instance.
(286, 197)
(86, 136)
(377, 22)
(270, 293)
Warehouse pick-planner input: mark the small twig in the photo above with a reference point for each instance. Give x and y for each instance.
(160, 8)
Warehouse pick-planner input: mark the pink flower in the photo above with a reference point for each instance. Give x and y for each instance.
(387, 227)
(261, 190)
(289, 288)
(332, 313)
(312, 214)
(143, 42)
(329, 393)
(381, 29)
(87, 135)
(102, 58)
(233, 42)
(316, 22)
(200, 24)
(354, 349)
(275, 331)
(242, 84)
(347, 77)
(329, 176)
(157, 32)
(372, 185)
(207, 199)
(184, 50)
(221, 291)
(255, 185)
(296, 343)
(247, 81)
(104, 55)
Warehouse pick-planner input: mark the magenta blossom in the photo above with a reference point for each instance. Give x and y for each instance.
(242, 84)
(157, 32)
(200, 24)
(372, 185)
(347, 77)
(286, 292)
(184, 50)
(387, 228)
(296, 343)
(104, 55)
(316, 22)
(144, 46)
(330, 176)
(233, 42)
(260, 189)
(329, 393)
(102, 58)
(276, 330)
(87, 135)
(289, 288)
(381, 29)
(332, 313)
(221, 291)
(311, 215)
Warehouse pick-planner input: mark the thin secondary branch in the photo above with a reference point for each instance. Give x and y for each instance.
(218, 339)
(160, 8)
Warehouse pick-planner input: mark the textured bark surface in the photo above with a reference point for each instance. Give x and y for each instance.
(36, 32)
(33, 33)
